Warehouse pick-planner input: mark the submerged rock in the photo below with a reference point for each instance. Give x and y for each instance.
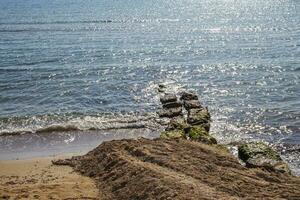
(259, 154)
(198, 133)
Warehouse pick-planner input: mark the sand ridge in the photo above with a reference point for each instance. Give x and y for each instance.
(178, 169)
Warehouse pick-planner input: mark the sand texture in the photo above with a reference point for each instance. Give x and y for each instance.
(39, 179)
(178, 169)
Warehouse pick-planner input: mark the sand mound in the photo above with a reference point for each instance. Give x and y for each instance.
(177, 169)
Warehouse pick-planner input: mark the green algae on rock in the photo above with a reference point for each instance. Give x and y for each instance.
(198, 116)
(172, 134)
(259, 154)
(252, 149)
(177, 123)
(199, 133)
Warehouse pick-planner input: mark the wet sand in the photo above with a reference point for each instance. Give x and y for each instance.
(38, 179)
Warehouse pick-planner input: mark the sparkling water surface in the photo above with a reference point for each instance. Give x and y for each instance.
(95, 64)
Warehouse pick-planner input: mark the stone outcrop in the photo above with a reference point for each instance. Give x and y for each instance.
(197, 123)
(196, 126)
(259, 154)
(171, 106)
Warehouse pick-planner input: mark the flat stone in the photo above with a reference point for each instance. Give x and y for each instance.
(198, 116)
(174, 104)
(191, 104)
(170, 112)
(177, 123)
(254, 149)
(167, 98)
(259, 154)
(188, 96)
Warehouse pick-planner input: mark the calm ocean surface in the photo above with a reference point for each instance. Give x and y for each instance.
(95, 64)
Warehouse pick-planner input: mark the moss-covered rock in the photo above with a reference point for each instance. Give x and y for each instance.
(170, 112)
(198, 116)
(177, 123)
(172, 134)
(259, 154)
(199, 133)
(253, 149)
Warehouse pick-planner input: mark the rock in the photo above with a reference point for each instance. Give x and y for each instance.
(162, 88)
(198, 133)
(267, 163)
(253, 149)
(172, 104)
(168, 98)
(198, 116)
(170, 112)
(188, 96)
(177, 123)
(259, 154)
(62, 162)
(172, 134)
(162, 85)
(192, 104)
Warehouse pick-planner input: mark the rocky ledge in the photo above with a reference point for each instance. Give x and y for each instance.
(185, 162)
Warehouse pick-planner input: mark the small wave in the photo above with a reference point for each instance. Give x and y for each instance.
(297, 69)
(38, 62)
(59, 22)
(149, 121)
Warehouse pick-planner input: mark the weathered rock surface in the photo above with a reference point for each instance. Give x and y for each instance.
(259, 154)
(177, 123)
(174, 104)
(162, 88)
(171, 107)
(187, 96)
(200, 134)
(167, 98)
(192, 104)
(197, 125)
(178, 169)
(170, 112)
(198, 116)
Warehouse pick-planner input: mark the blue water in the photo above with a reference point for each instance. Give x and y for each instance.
(95, 64)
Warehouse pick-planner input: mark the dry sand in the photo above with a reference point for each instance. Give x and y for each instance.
(39, 179)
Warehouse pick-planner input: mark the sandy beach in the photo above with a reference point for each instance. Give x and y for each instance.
(37, 178)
